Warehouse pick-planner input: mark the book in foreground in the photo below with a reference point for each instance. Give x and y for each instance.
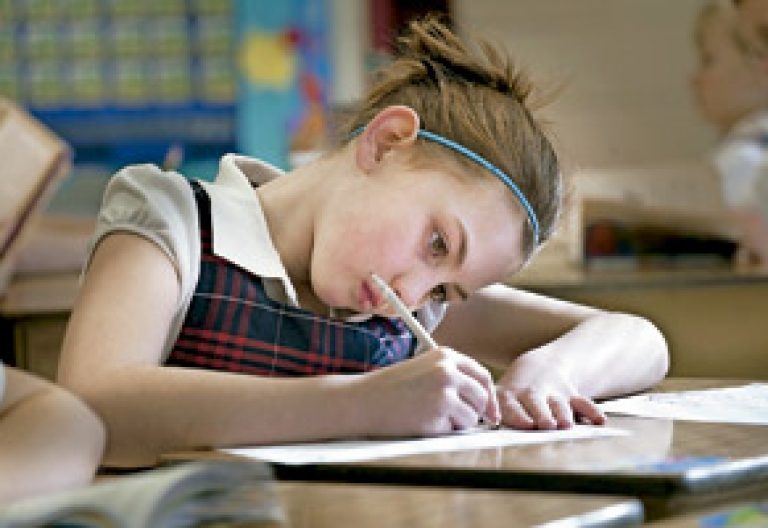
(203, 493)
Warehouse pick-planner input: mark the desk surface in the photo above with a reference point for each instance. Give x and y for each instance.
(744, 514)
(371, 506)
(614, 465)
(604, 464)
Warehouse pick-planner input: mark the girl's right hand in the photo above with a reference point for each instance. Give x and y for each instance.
(433, 393)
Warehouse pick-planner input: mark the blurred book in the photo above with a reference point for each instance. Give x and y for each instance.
(34, 162)
(657, 215)
(202, 493)
(55, 244)
(624, 236)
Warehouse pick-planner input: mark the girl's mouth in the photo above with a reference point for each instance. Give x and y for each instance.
(369, 297)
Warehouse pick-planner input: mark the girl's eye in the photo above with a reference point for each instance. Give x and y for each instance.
(439, 294)
(437, 245)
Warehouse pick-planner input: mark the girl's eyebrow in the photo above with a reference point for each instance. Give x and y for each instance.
(462, 252)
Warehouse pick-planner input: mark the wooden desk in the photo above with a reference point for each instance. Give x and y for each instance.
(34, 312)
(313, 504)
(746, 514)
(614, 465)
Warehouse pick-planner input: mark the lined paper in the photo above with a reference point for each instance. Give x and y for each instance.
(363, 450)
(746, 404)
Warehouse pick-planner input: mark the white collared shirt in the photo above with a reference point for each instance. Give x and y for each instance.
(160, 206)
(742, 162)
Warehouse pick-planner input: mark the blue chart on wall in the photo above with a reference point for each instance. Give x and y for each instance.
(284, 77)
(122, 80)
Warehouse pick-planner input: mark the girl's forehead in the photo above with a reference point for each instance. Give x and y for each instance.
(494, 227)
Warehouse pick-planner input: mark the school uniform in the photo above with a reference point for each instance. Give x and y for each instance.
(238, 310)
(741, 159)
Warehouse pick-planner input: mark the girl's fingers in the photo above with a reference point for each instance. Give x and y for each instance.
(490, 404)
(514, 414)
(474, 394)
(586, 408)
(537, 407)
(462, 416)
(561, 412)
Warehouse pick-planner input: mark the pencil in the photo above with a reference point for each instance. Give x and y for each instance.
(394, 301)
(416, 327)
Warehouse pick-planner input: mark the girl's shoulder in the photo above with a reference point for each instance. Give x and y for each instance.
(146, 195)
(148, 182)
(157, 205)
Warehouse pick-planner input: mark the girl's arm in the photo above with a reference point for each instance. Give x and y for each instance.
(113, 349)
(556, 356)
(50, 440)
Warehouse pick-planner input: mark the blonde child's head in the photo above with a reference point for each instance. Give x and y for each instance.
(731, 81)
(477, 99)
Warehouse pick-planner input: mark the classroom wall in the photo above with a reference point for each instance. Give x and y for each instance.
(628, 130)
(624, 64)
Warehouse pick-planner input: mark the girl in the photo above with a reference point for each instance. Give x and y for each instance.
(444, 185)
(731, 88)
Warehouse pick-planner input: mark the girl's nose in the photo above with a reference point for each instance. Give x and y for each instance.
(413, 288)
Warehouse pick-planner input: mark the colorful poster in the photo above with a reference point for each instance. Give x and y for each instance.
(284, 73)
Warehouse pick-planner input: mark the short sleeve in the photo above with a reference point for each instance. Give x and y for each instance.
(159, 206)
(743, 169)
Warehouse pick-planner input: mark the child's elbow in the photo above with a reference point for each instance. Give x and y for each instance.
(79, 427)
(654, 346)
(126, 446)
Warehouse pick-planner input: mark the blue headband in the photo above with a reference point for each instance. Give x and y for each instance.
(474, 156)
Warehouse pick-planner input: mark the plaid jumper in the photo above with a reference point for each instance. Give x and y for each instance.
(232, 325)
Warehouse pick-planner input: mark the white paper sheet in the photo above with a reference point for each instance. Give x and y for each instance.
(362, 450)
(746, 404)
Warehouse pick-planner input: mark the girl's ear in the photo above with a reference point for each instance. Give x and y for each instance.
(393, 128)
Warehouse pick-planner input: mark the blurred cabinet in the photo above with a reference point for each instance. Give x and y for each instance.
(37, 343)
(34, 311)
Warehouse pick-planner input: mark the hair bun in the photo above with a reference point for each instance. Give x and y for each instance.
(444, 56)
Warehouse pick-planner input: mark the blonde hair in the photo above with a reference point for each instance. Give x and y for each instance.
(741, 39)
(479, 100)
(760, 29)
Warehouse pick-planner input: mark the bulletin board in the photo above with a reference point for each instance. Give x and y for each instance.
(122, 80)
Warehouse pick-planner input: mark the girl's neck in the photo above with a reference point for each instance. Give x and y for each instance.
(291, 207)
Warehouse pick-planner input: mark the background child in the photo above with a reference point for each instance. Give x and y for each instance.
(731, 86)
(49, 440)
(444, 185)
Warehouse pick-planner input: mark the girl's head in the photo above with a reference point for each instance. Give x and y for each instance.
(443, 223)
(731, 81)
(476, 99)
